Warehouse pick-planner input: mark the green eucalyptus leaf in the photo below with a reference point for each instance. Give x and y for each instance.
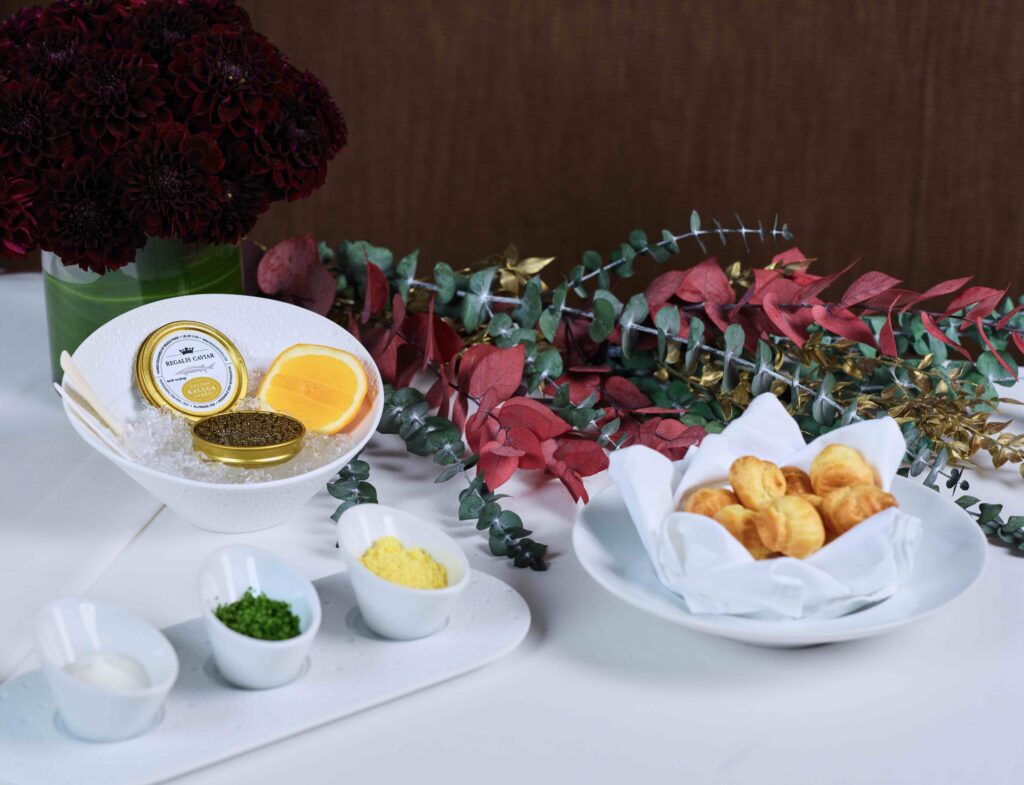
(603, 323)
(549, 323)
(638, 239)
(444, 279)
(529, 308)
(694, 343)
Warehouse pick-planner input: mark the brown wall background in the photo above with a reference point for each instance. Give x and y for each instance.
(889, 132)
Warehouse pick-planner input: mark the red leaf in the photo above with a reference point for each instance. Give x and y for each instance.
(1006, 319)
(383, 348)
(481, 428)
(474, 354)
(286, 264)
(580, 384)
(397, 314)
(501, 372)
(591, 369)
(526, 441)
(781, 320)
(789, 256)
(937, 334)
(972, 296)
(1018, 341)
(440, 393)
(583, 456)
(623, 394)
(992, 349)
(844, 323)
(940, 289)
(375, 297)
(459, 410)
(869, 285)
(407, 363)
(706, 282)
(811, 290)
(524, 412)
(570, 479)
(660, 290)
(668, 436)
(317, 290)
(886, 337)
(495, 467)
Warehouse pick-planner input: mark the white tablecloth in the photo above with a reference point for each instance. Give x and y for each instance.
(599, 692)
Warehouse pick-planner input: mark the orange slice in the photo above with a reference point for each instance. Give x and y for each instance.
(321, 386)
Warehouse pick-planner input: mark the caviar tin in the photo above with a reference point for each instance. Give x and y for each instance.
(251, 456)
(191, 368)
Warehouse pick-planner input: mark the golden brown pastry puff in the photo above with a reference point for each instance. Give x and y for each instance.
(797, 481)
(815, 500)
(790, 526)
(740, 523)
(838, 466)
(708, 501)
(756, 482)
(844, 508)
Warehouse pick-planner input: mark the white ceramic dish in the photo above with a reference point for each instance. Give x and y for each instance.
(261, 329)
(391, 610)
(206, 720)
(949, 560)
(244, 661)
(74, 627)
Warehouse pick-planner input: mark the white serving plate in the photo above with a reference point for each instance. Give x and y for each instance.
(949, 560)
(205, 720)
(261, 329)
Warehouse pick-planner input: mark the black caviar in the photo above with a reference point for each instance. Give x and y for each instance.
(248, 429)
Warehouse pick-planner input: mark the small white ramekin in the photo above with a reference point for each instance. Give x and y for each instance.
(72, 627)
(391, 610)
(249, 662)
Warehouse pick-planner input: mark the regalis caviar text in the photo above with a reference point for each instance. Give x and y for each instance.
(191, 368)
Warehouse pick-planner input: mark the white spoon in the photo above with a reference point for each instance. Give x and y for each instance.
(90, 422)
(112, 421)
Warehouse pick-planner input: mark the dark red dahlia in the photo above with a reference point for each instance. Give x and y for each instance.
(20, 23)
(306, 133)
(97, 19)
(226, 79)
(243, 199)
(53, 51)
(113, 94)
(223, 12)
(170, 181)
(158, 27)
(82, 220)
(31, 124)
(17, 226)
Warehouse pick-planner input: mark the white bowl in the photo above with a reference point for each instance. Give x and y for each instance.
(391, 610)
(249, 662)
(261, 329)
(73, 627)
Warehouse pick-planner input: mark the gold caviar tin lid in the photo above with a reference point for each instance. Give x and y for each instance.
(191, 368)
(249, 439)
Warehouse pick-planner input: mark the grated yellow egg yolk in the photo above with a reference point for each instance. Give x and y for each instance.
(412, 567)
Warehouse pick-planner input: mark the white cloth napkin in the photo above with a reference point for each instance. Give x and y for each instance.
(697, 558)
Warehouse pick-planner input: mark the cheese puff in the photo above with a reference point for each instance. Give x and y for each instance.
(756, 482)
(790, 526)
(708, 501)
(797, 481)
(740, 523)
(844, 508)
(838, 466)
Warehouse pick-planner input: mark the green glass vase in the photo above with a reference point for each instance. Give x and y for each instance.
(79, 301)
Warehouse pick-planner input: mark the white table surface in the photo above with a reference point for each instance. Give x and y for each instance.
(599, 692)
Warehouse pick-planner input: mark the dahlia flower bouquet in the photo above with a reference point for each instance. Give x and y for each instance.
(127, 119)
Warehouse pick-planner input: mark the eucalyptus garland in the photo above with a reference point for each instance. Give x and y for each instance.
(522, 378)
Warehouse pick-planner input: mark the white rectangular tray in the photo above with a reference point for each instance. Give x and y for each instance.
(205, 720)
